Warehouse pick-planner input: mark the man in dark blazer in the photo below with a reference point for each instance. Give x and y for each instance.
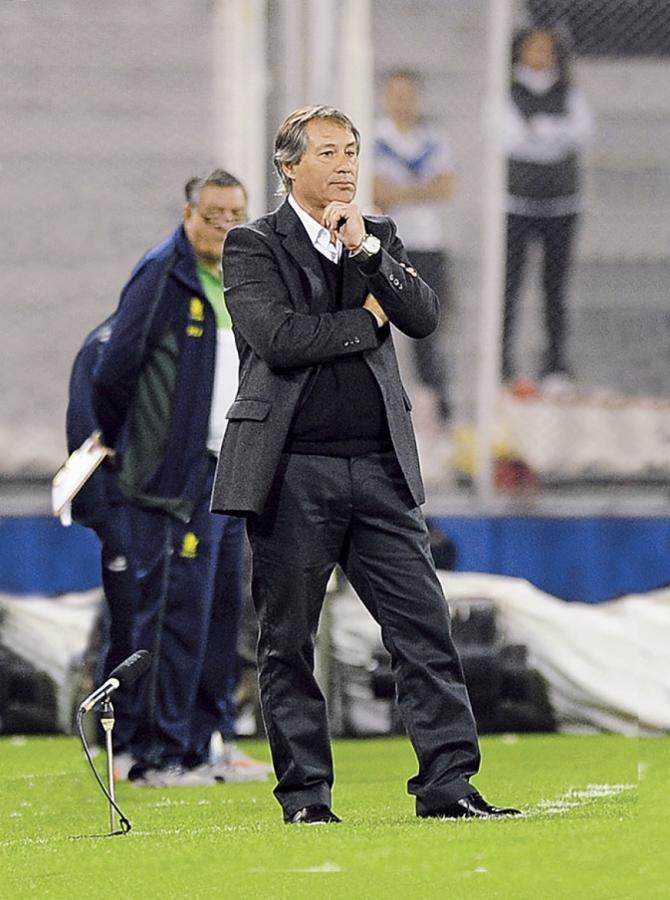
(319, 455)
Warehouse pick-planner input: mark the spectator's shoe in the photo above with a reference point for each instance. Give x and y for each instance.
(523, 388)
(235, 773)
(471, 807)
(123, 763)
(557, 385)
(170, 776)
(238, 759)
(312, 815)
(230, 764)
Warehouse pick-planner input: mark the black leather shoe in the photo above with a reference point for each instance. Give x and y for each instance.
(312, 815)
(471, 807)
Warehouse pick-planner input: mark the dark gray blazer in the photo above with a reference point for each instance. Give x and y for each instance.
(277, 298)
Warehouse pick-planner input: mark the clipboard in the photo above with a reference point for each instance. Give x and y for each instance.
(73, 475)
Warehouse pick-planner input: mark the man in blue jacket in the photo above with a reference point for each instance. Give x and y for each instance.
(162, 386)
(100, 506)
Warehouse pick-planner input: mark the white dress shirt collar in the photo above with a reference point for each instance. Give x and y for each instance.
(318, 235)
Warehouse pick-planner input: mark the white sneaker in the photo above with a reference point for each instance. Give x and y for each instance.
(123, 763)
(232, 765)
(175, 776)
(557, 385)
(239, 759)
(230, 773)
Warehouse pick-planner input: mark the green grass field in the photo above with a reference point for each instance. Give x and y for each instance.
(596, 826)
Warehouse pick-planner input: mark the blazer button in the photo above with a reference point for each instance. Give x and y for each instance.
(346, 343)
(357, 340)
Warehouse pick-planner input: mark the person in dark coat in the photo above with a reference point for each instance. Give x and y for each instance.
(547, 125)
(319, 456)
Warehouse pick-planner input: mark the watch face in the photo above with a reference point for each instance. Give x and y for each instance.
(371, 244)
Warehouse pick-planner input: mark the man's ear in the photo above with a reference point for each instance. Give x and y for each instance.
(287, 169)
(187, 212)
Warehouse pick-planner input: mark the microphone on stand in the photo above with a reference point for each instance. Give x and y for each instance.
(126, 673)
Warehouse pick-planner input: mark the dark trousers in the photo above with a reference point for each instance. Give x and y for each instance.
(215, 708)
(190, 577)
(556, 234)
(120, 588)
(356, 512)
(429, 353)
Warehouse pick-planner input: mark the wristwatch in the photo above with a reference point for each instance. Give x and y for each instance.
(369, 246)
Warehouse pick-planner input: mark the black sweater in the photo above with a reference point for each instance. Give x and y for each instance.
(341, 411)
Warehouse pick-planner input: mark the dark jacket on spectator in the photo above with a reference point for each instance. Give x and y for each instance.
(153, 382)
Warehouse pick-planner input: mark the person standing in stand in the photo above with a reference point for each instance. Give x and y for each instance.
(413, 178)
(548, 123)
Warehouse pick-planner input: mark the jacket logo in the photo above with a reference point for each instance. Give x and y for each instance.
(197, 310)
(194, 330)
(117, 564)
(189, 545)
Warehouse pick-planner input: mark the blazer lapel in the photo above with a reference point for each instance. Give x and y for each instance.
(297, 244)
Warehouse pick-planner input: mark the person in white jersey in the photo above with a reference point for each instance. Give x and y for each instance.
(413, 177)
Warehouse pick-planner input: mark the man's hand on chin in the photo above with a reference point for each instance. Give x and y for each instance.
(344, 221)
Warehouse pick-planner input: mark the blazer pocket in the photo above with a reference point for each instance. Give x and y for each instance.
(256, 410)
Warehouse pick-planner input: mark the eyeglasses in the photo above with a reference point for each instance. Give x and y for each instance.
(223, 217)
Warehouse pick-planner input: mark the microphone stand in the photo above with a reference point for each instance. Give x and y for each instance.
(124, 674)
(107, 722)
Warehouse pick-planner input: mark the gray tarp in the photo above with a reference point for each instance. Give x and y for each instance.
(607, 665)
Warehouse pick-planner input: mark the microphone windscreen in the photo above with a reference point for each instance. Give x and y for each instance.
(130, 669)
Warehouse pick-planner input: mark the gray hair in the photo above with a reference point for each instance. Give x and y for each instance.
(291, 138)
(219, 177)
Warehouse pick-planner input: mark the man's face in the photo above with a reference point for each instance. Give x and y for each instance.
(537, 51)
(400, 95)
(328, 169)
(208, 222)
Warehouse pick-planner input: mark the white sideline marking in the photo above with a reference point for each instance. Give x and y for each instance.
(571, 799)
(576, 797)
(33, 776)
(135, 832)
(169, 801)
(325, 867)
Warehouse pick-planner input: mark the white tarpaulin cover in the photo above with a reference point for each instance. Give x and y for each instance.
(52, 634)
(607, 665)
